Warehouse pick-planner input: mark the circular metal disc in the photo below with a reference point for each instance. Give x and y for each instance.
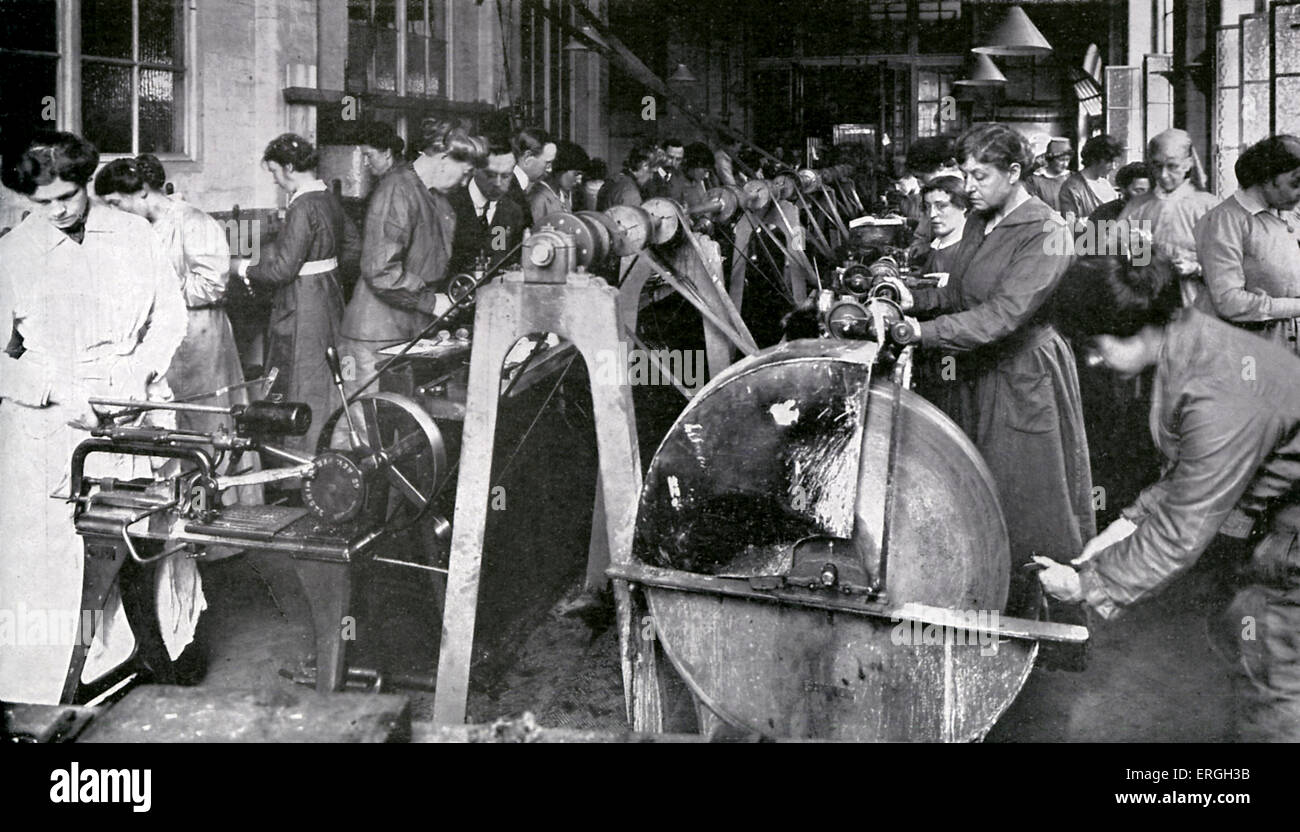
(843, 314)
(784, 186)
(665, 215)
(758, 194)
(808, 180)
(634, 229)
(581, 232)
(730, 204)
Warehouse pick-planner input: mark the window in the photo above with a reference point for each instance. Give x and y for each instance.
(29, 50)
(373, 52)
(936, 109)
(133, 75)
(133, 91)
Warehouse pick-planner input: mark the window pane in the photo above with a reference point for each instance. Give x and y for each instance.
(161, 40)
(415, 65)
(106, 28)
(358, 66)
(29, 24)
(106, 106)
(386, 13)
(385, 60)
(160, 109)
(359, 11)
(23, 106)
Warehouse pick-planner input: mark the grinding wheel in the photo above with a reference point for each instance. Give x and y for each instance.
(757, 462)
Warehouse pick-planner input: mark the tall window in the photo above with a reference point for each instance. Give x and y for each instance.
(133, 75)
(131, 62)
(373, 47)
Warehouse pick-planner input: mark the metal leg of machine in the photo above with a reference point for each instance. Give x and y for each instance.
(549, 297)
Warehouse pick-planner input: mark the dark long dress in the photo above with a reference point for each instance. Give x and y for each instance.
(306, 309)
(1022, 408)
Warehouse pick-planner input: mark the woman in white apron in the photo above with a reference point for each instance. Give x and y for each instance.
(95, 309)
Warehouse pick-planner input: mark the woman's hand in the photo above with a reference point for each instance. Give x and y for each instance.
(1114, 533)
(1059, 580)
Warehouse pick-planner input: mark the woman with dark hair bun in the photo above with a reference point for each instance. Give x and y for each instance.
(98, 309)
(1090, 188)
(302, 268)
(1020, 403)
(196, 244)
(1249, 245)
(1225, 413)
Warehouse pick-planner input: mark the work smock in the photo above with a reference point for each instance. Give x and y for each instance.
(1022, 406)
(96, 319)
(302, 267)
(1250, 256)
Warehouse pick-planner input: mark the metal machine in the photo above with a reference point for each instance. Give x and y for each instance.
(357, 493)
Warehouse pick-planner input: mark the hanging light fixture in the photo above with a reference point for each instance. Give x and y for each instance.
(575, 45)
(683, 75)
(982, 72)
(1015, 35)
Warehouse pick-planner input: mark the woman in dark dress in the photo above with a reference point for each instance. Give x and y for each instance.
(301, 267)
(1022, 409)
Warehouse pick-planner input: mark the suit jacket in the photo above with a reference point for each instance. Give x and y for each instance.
(542, 200)
(471, 239)
(519, 197)
(404, 257)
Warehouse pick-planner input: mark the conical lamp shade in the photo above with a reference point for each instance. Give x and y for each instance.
(982, 72)
(1016, 35)
(683, 75)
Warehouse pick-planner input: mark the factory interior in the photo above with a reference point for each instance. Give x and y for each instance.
(652, 371)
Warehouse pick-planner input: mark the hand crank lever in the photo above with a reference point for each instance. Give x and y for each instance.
(332, 358)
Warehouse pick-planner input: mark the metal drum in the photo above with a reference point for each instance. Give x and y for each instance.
(590, 236)
(666, 217)
(635, 229)
(757, 462)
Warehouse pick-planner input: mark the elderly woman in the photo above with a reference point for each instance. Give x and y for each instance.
(1023, 409)
(302, 267)
(1249, 245)
(1232, 441)
(97, 307)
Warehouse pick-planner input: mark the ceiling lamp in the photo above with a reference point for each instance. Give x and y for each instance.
(982, 72)
(1016, 35)
(575, 45)
(682, 75)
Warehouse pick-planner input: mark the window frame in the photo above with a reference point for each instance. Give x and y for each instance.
(68, 82)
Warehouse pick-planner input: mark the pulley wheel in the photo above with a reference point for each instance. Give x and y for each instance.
(727, 199)
(665, 214)
(635, 229)
(582, 232)
(412, 457)
(758, 195)
(784, 186)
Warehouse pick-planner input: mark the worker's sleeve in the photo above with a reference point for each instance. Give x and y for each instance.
(390, 227)
(627, 194)
(168, 318)
(1029, 280)
(26, 380)
(539, 203)
(284, 260)
(1221, 445)
(1221, 249)
(1070, 204)
(207, 262)
(927, 302)
(722, 164)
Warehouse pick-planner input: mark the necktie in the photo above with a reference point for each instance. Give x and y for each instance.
(483, 217)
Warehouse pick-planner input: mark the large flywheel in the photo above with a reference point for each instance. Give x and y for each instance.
(760, 463)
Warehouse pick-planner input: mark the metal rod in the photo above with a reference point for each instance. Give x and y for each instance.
(181, 406)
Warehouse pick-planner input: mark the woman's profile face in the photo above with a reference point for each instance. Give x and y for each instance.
(131, 203)
(1283, 190)
(988, 186)
(280, 173)
(379, 161)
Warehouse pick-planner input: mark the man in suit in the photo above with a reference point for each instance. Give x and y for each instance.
(488, 222)
(534, 152)
(668, 179)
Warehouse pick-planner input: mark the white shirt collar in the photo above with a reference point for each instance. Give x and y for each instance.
(524, 181)
(477, 196)
(1247, 199)
(310, 187)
